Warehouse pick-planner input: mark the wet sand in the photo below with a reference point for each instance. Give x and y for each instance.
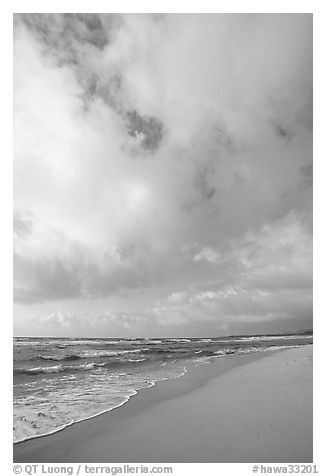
(242, 408)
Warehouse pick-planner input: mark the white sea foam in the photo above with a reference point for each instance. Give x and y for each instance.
(111, 353)
(44, 411)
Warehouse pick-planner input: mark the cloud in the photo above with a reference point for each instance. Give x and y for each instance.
(263, 279)
(158, 153)
(148, 130)
(207, 254)
(177, 297)
(270, 278)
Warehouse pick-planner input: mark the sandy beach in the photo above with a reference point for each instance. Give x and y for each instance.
(243, 408)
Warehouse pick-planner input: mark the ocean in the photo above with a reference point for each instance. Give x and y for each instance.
(60, 381)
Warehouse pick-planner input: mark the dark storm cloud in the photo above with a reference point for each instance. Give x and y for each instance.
(108, 89)
(63, 33)
(149, 130)
(70, 39)
(282, 132)
(202, 182)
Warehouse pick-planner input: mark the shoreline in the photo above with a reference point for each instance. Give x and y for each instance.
(64, 445)
(152, 383)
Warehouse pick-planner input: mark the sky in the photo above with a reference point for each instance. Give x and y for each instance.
(162, 174)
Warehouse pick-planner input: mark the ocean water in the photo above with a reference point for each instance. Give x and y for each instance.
(59, 381)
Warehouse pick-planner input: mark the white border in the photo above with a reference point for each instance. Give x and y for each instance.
(317, 7)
